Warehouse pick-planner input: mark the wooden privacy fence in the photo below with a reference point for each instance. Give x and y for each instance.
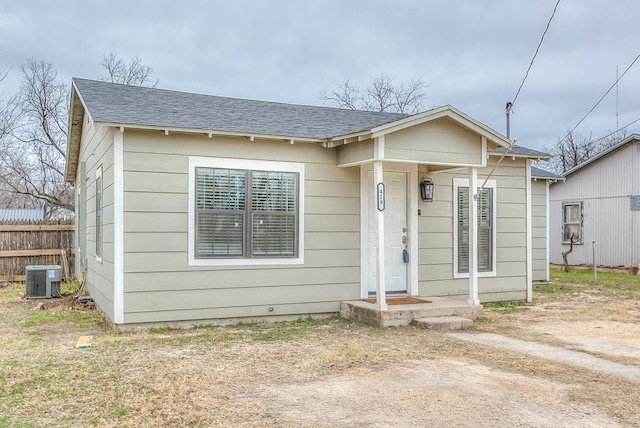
(35, 243)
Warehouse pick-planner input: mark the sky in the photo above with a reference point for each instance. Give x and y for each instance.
(471, 54)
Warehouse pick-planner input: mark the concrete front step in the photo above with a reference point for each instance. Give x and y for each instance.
(405, 314)
(443, 323)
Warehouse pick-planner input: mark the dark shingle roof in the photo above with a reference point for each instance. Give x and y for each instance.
(134, 105)
(523, 151)
(541, 173)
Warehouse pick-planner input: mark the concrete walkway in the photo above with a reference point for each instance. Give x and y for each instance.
(576, 358)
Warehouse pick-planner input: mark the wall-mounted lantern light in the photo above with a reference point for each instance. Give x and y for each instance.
(426, 189)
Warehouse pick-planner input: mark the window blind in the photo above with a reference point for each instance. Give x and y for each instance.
(485, 232)
(246, 213)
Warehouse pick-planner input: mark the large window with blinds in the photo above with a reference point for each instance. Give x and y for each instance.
(250, 213)
(486, 228)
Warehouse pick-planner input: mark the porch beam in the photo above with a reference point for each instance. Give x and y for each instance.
(473, 236)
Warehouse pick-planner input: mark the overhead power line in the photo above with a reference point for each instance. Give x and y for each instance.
(598, 103)
(536, 53)
(616, 131)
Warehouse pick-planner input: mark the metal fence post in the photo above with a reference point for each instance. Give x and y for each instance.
(595, 272)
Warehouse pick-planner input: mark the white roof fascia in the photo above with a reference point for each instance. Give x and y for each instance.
(210, 132)
(84, 105)
(351, 138)
(519, 155)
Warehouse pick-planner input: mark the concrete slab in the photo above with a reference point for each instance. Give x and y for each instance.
(553, 353)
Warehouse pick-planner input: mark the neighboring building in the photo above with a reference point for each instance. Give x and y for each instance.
(199, 208)
(23, 214)
(599, 201)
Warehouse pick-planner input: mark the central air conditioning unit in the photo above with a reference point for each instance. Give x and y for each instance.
(43, 282)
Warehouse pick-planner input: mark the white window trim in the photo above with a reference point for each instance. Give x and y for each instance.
(244, 164)
(99, 175)
(464, 182)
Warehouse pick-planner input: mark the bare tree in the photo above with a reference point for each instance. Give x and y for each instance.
(565, 254)
(6, 107)
(576, 148)
(381, 94)
(133, 73)
(33, 150)
(613, 139)
(33, 133)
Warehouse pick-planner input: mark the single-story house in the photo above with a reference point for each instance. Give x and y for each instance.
(196, 208)
(599, 200)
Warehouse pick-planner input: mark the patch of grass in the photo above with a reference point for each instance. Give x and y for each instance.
(96, 420)
(69, 288)
(285, 330)
(551, 288)
(120, 411)
(309, 321)
(607, 282)
(502, 304)
(160, 330)
(60, 314)
(241, 324)
(274, 335)
(12, 291)
(506, 306)
(6, 421)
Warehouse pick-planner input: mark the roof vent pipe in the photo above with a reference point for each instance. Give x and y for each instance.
(508, 109)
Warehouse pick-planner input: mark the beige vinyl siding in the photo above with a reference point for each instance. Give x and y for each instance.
(96, 151)
(540, 260)
(231, 314)
(435, 239)
(437, 142)
(604, 187)
(355, 153)
(160, 285)
(183, 281)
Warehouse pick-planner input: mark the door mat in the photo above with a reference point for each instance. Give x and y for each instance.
(401, 301)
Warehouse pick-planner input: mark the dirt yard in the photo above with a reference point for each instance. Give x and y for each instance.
(329, 373)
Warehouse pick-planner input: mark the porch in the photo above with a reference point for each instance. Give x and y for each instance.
(436, 313)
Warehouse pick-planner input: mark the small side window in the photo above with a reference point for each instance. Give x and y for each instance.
(99, 227)
(572, 222)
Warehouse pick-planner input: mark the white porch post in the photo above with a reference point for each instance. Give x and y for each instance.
(378, 177)
(473, 236)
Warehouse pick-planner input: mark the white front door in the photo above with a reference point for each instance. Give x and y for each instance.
(395, 234)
